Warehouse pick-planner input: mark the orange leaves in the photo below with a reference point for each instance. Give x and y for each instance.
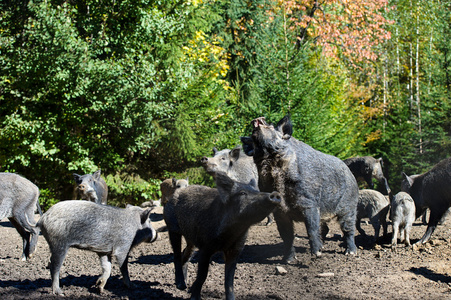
(352, 28)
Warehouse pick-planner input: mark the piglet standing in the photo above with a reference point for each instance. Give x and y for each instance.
(108, 231)
(19, 198)
(214, 220)
(402, 213)
(92, 187)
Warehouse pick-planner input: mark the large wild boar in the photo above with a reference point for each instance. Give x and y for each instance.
(19, 198)
(430, 190)
(107, 230)
(367, 168)
(92, 187)
(214, 220)
(316, 187)
(236, 164)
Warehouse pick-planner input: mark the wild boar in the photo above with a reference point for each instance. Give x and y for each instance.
(19, 198)
(316, 187)
(236, 164)
(375, 206)
(92, 187)
(214, 219)
(402, 214)
(430, 190)
(367, 168)
(107, 230)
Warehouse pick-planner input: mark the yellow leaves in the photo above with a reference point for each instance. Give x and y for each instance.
(202, 50)
(373, 136)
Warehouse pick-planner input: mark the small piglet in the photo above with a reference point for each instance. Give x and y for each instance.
(108, 231)
(402, 213)
(214, 220)
(375, 206)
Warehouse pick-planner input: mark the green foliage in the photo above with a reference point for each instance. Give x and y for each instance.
(126, 189)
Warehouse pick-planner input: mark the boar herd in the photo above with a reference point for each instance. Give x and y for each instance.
(271, 175)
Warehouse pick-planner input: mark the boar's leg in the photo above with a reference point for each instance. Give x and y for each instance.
(359, 227)
(122, 259)
(347, 224)
(407, 229)
(105, 261)
(187, 253)
(56, 261)
(286, 231)
(231, 259)
(25, 239)
(434, 218)
(394, 240)
(312, 224)
(376, 226)
(202, 272)
(176, 243)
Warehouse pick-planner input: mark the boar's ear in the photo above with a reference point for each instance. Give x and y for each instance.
(248, 145)
(253, 183)
(379, 160)
(174, 182)
(77, 178)
(145, 214)
(408, 178)
(286, 127)
(96, 174)
(215, 151)
(235, 152)
(224, 185)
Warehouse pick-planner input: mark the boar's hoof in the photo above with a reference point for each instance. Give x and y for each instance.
(318, 254)
(58, 292)
(181, 286)
(351, 252)
(290, 259)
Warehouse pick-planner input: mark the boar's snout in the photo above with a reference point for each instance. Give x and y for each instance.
(82, 187)
(204, 160)
(275, 197)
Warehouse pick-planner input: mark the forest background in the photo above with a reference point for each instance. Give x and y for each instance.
(143, 89)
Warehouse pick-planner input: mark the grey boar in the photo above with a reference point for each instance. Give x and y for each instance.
(108, 231)
(431, 190)
(367, 168)
(214, 219)
(19, 198)
(402, 214)
(236, 164)
(375, 206)
(316, 187)
(92, 187)
(168, 187)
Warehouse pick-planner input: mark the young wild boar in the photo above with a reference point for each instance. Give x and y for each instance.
(367, 168)
(375, 206)
(18, 201)
(430, 190)
(402, 213)
(108, 231)
(236, 164)
(92, 187)
(316, 187)
(168, 187)
(214, 220)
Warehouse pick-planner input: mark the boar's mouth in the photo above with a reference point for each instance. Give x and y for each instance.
(259, 121)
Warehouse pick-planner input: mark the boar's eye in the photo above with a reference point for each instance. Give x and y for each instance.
(243, 193)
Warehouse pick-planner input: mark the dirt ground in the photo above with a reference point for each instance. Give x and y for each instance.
(374, 273)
